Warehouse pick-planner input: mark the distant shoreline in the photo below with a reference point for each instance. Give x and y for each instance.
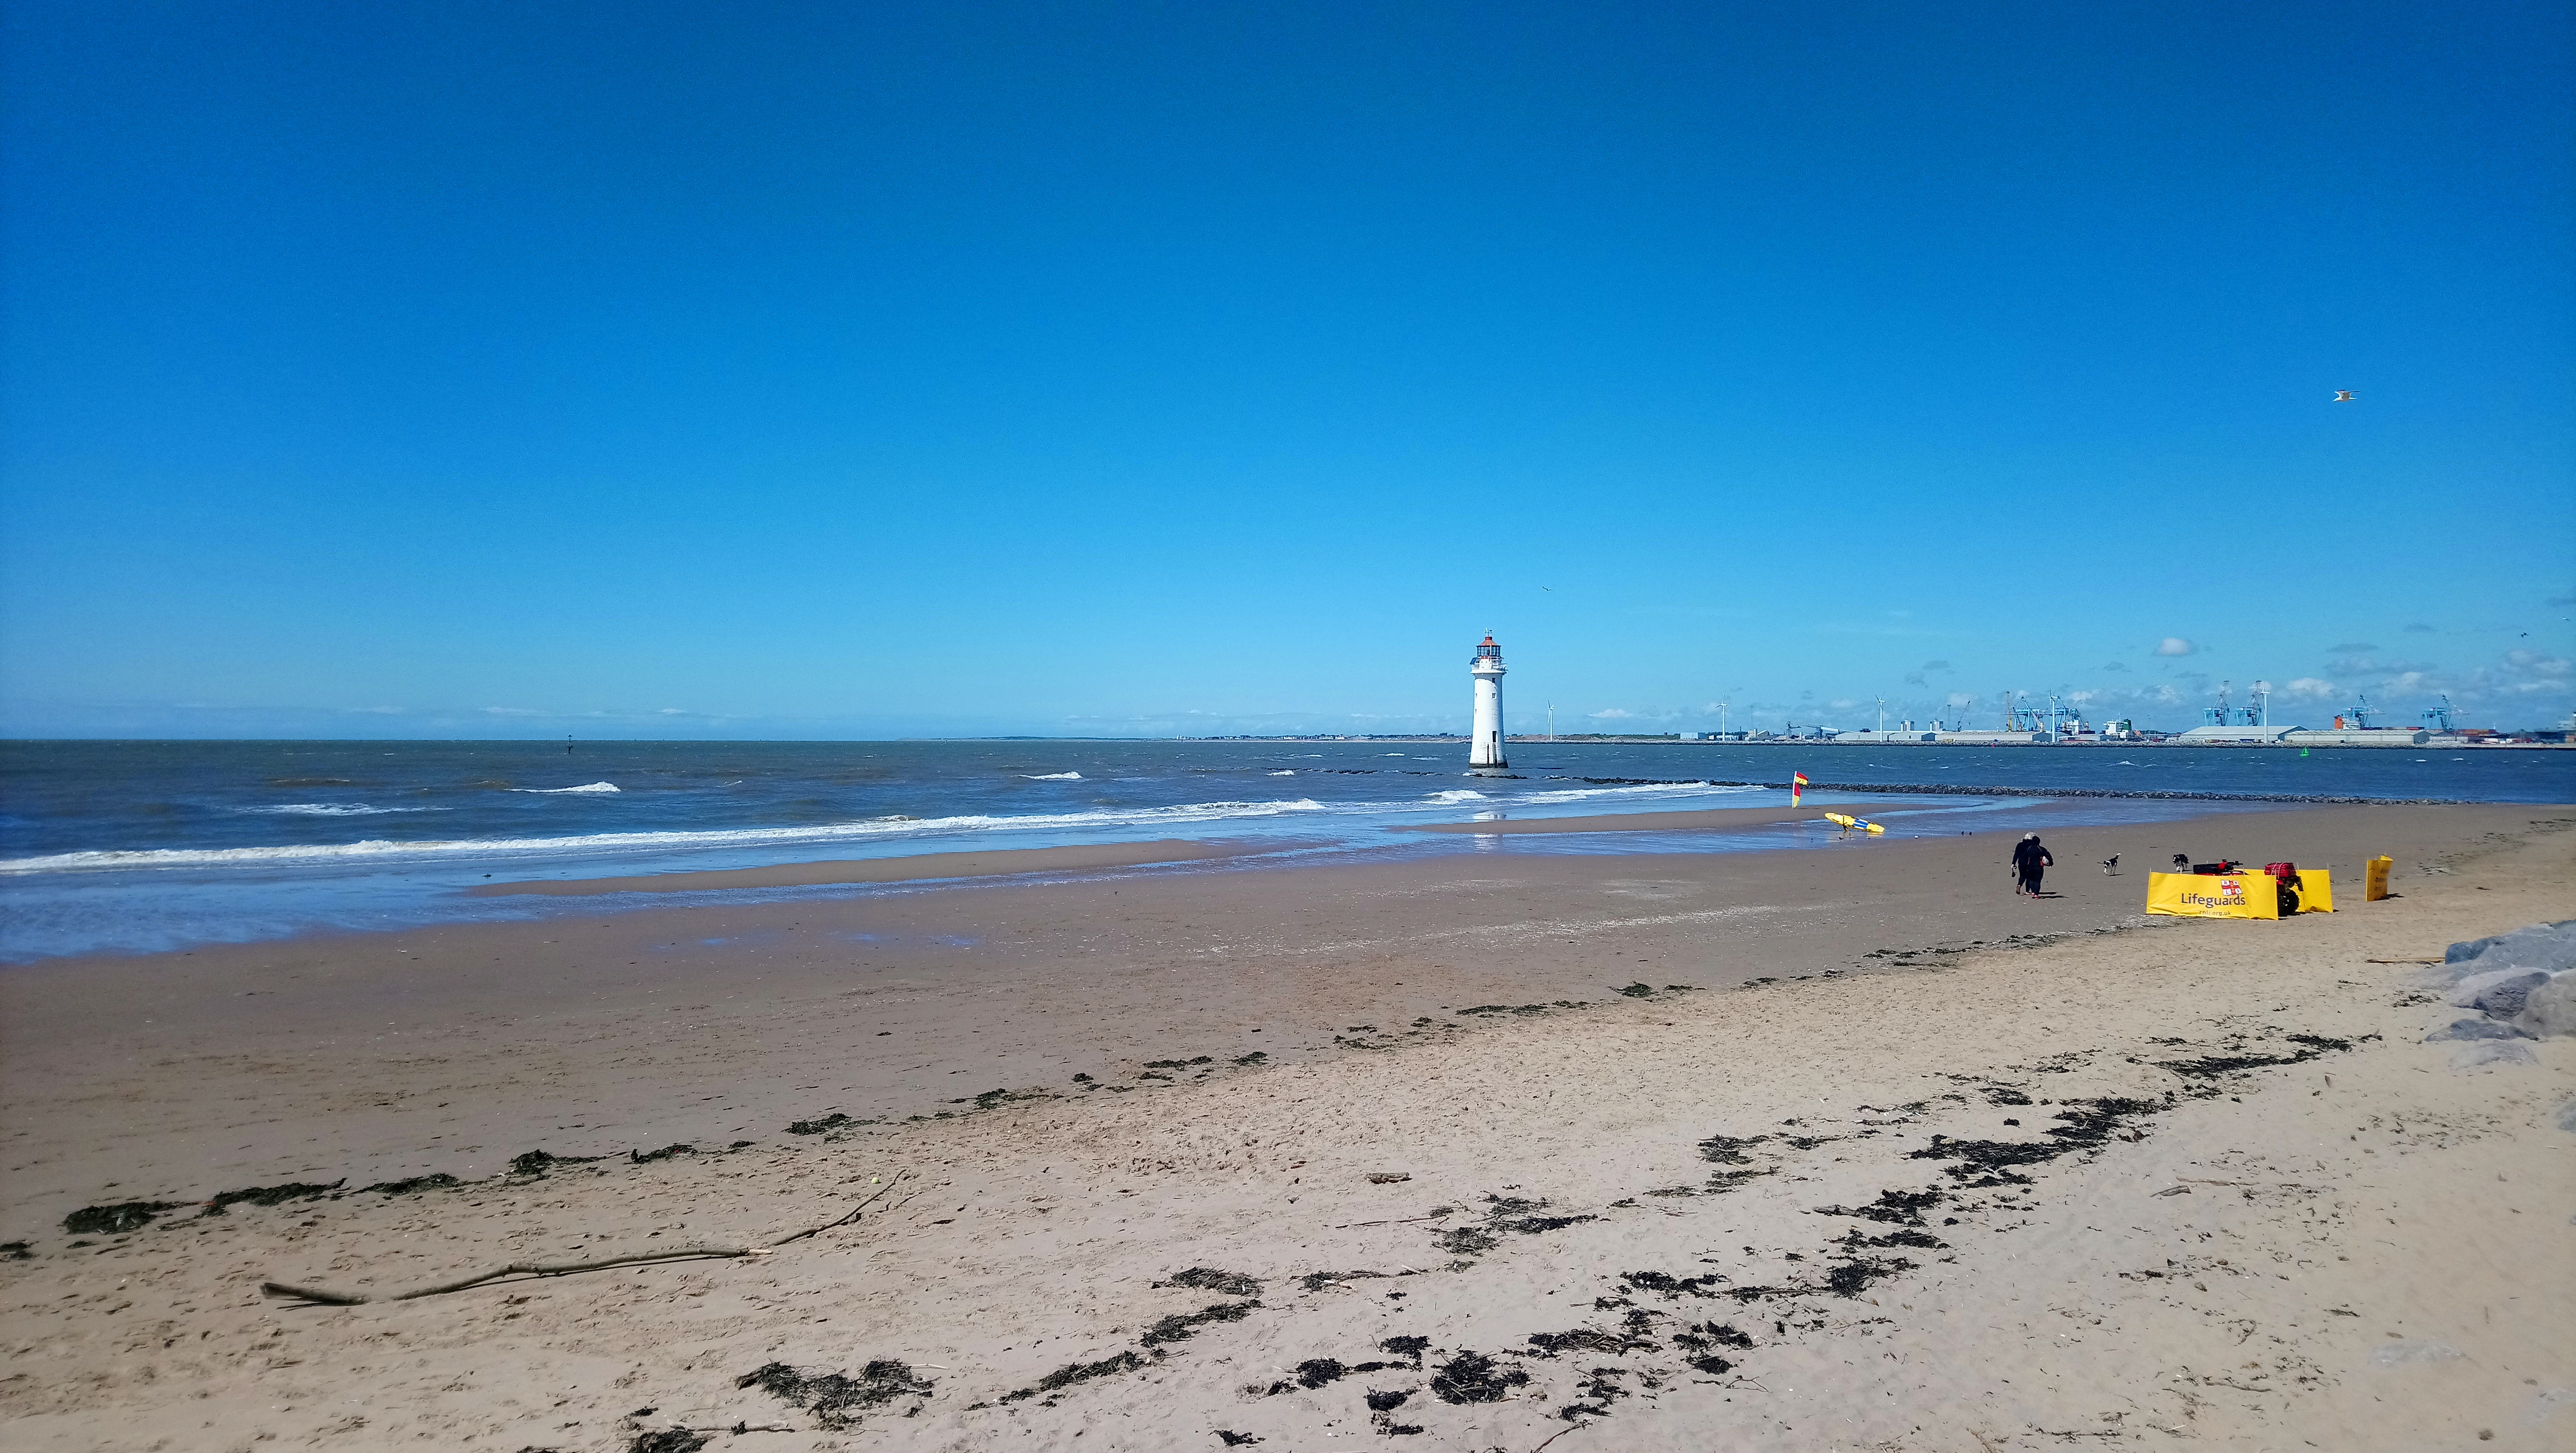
(1586, 739)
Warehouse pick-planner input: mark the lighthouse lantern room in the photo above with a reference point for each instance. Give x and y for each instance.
(1487, 668)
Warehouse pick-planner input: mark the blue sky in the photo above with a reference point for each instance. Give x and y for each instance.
(780, 370)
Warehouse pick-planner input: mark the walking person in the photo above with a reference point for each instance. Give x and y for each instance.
(2029, 860)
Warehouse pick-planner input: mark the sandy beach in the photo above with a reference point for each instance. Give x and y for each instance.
(1506, 1147)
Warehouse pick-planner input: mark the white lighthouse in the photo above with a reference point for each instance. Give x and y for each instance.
(1487, 668)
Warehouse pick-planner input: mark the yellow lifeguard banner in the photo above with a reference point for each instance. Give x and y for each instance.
(2235, 895)
(2212, 895)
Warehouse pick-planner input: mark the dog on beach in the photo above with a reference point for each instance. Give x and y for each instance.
(2111, 865)
(2182, 862)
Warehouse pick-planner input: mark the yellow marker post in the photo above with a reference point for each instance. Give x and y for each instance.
(2374, 879)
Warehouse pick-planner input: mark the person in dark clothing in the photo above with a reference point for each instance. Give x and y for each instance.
(2029, 861)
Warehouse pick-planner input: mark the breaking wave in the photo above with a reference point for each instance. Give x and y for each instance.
(1053, 776)
(331, 809)
(875, 829)
(554, 791)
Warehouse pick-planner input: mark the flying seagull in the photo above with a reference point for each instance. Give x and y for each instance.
(2343, 396)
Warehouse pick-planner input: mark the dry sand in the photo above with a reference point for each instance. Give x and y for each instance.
(2353, 1246)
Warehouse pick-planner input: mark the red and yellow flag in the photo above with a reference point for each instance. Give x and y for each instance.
(1797, 784)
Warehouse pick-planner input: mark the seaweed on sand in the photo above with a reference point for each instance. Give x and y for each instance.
(1729, 1149)
(118, 1219)
(1923, 1240)
(1711, 1334)
(670, 1440)
(1180, 1326)
(414, 1185)
(1073, 1372)
(824, 1124)
(1600, 1387)
(1467, 1240)
(1896, 1208)
(642, 1157)
(1410, 1348)
(2088, 1123)
(1851, 1278)
(538, 1162)
(1179, 1064)
(1588, 1339)
(1209, 1279)
(836, 1399)
(1669, 1285)
(270, 1195)
(1387, 1402)
(2212, 1066)
(1472, 1377)
(1314, 1372)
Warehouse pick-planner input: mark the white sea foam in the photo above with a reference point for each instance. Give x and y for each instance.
(889, 828)
(1287, 772)
(1053, 776)
(385, 850)
(553, 791)
(332, 809)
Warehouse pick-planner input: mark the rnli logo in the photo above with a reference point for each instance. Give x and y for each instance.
(2231, 894)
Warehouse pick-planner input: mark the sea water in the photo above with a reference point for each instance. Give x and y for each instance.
(139, 846)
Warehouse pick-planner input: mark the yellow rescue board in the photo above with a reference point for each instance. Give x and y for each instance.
(1847, 822)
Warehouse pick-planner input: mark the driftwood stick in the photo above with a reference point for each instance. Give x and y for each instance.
(899, 1178)
(693, 1252)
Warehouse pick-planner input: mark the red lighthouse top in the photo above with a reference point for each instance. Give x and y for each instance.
(1489, 651)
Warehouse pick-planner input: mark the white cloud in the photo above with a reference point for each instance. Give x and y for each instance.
(1960, 698)
(1616, 713)
(2533, 663)
(512, 711)
(2175, 646)
(2310, 688)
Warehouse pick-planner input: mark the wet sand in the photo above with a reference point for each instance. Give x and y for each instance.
(920, 867)
(1258, 1044)
(1710, 819)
